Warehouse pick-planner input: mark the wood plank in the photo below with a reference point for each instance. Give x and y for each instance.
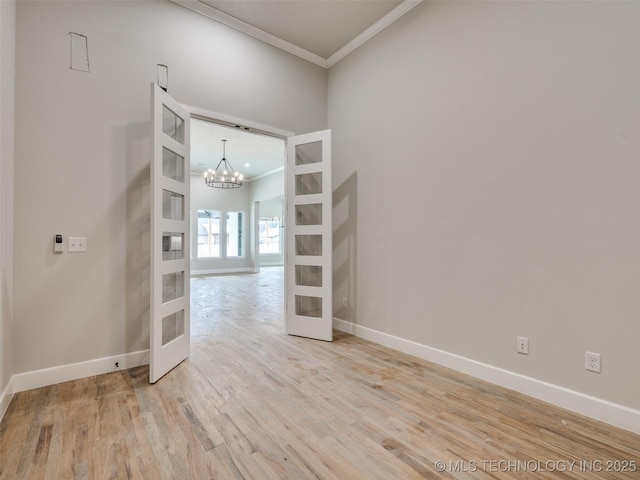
(253, 403)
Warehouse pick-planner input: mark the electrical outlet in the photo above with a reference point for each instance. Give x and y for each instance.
(345, 302)
(522, 345)
(592, 361)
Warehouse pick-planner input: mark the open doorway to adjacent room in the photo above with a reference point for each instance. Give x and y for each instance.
(237, 235)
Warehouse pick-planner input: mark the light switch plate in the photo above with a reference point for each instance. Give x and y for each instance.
(77, 244)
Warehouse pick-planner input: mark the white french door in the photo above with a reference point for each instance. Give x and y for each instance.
(169, 309)
(308, 266)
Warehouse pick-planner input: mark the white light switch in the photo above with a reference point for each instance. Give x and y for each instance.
(77, 244)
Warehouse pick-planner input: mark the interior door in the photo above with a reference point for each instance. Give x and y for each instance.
(169, 331)
(308, 276)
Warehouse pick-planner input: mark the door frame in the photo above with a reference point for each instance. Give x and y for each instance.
(230, 121)
(252, 127)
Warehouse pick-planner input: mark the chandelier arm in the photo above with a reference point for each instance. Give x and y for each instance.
(219, 163)
(228, 165)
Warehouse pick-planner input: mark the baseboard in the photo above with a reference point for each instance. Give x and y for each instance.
(597, 408)
(5, 398)
(74, 371)
(217, 271)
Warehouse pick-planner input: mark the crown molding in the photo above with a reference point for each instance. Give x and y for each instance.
(226, 19)
(373, 30)
(232, 22)
(266, 174)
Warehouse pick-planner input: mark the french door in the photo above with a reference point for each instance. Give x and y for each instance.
(169, 292)
(308, 266)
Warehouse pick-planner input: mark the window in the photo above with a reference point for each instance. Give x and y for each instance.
(269, 235)
(214, 225)
(208, 234)
(234, 234)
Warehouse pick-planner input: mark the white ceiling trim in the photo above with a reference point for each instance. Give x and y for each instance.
(226, 19)
(374, 29)
(266, 174)
(229, 21)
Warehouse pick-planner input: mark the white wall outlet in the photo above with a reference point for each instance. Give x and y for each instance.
(345, 302)
(77, 244)
(592, 361)
(522, 345)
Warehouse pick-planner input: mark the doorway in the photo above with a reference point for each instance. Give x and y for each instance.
(227, 225)
(235, 233)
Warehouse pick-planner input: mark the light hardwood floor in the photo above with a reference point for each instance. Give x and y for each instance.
(254, 403)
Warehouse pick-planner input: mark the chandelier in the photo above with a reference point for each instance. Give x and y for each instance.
(224, 176)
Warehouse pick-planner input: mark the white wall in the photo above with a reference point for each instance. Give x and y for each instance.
(514, 129)
(82, 143)
(272, 208)
(267, 188)
(7, 72)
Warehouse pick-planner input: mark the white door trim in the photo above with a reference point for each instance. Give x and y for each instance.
(229, 120)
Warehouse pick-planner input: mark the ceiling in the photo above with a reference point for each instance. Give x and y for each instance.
(319, 26)
(251, 154)
(320, 31)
